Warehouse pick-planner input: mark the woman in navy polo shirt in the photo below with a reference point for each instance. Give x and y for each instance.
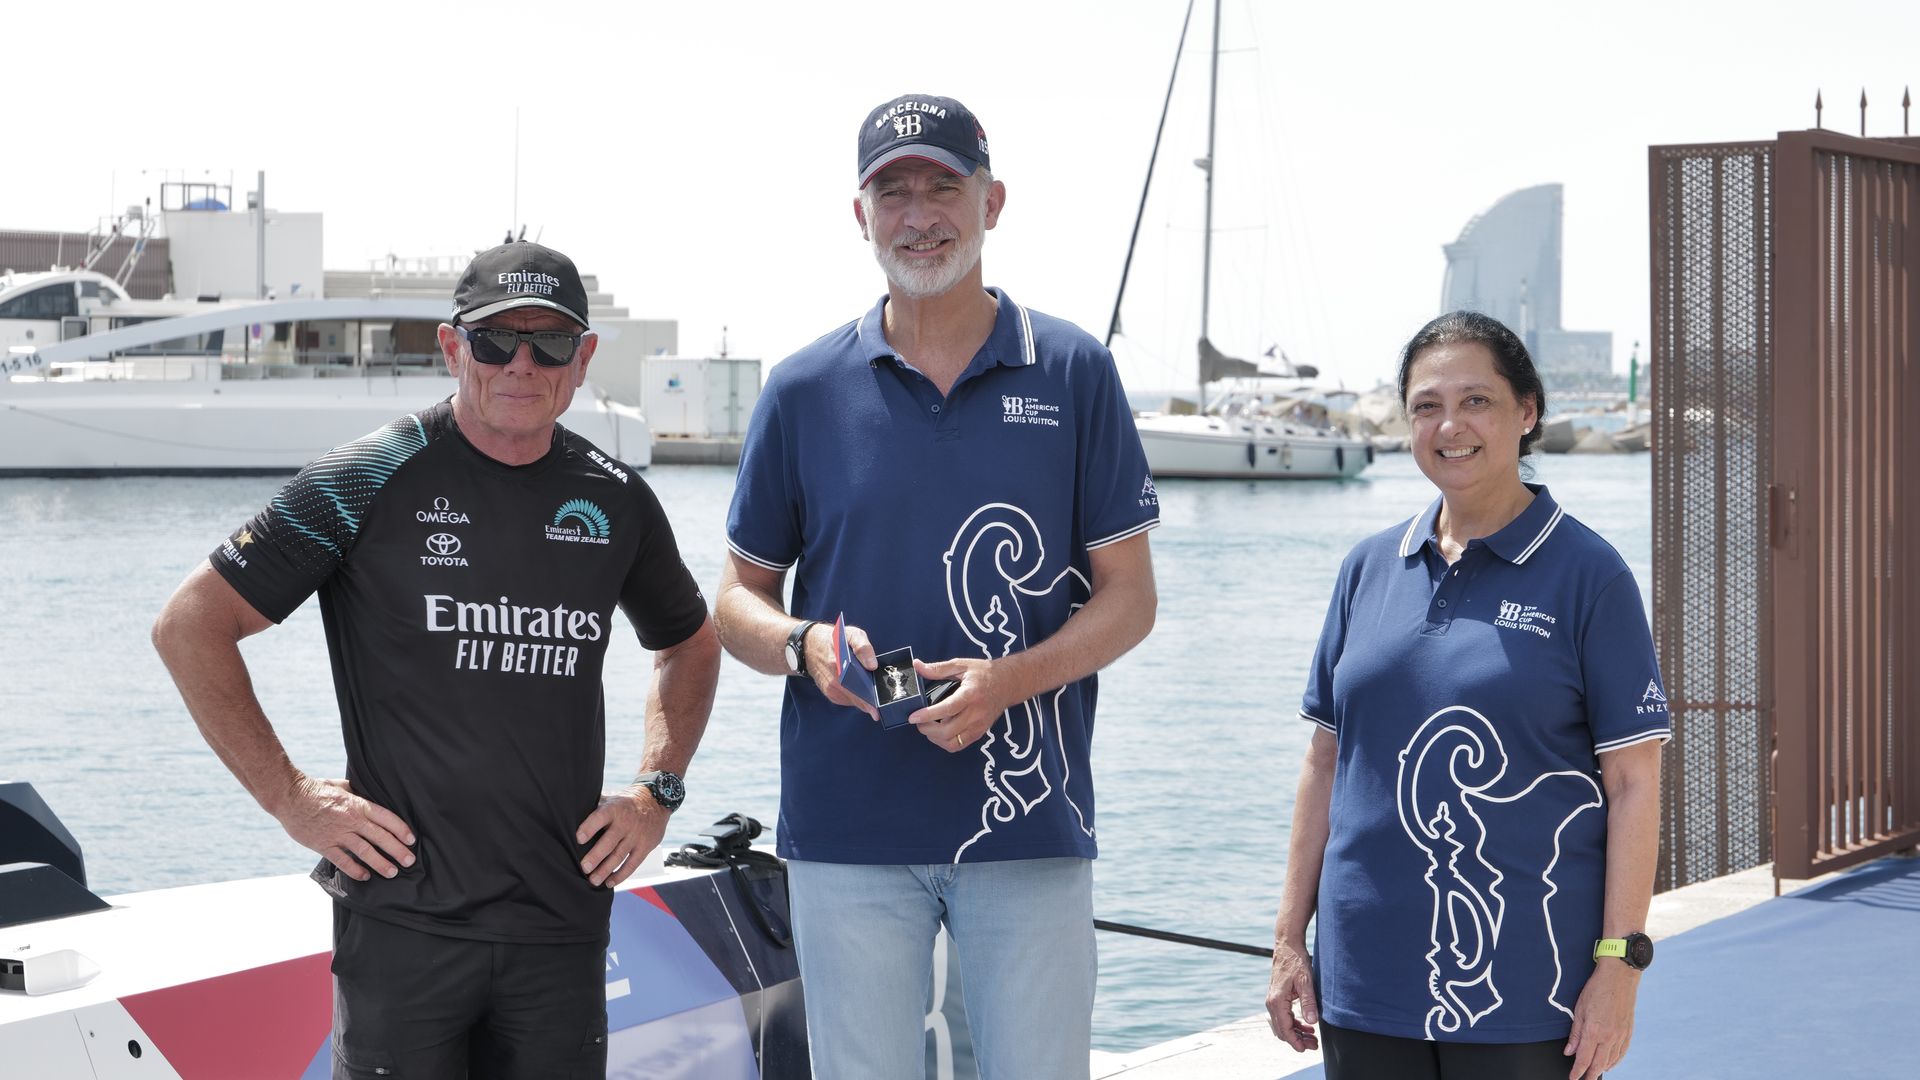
(1477, 819)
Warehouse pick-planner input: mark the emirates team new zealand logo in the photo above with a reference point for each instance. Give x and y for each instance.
(580, 522)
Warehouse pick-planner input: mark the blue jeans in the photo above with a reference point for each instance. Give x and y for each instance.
(1023, 930)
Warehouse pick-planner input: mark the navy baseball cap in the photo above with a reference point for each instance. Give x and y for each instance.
(936, 129)
(519, 274)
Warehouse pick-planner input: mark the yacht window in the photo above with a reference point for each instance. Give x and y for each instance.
(46, 302)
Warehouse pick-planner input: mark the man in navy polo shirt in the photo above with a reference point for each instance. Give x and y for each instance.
(959, 475)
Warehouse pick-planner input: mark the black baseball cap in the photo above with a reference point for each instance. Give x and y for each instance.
(936, 129)
(519, 274)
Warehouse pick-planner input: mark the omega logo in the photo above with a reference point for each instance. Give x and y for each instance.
(443, 513)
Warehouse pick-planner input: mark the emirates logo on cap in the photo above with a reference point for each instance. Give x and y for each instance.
(529, 284)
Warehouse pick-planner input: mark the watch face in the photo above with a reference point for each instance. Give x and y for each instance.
(673, 792)
(1639, 950)
(668, 790)
(797, 649)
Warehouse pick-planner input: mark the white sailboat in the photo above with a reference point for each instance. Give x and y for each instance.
(1253, 424)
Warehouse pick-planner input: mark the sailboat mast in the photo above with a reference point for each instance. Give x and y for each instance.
(1140, 215)
(1206, 234)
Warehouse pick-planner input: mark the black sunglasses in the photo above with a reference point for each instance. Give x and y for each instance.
(492, 345)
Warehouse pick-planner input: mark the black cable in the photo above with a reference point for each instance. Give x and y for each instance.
(732, 848)
(1183, 939)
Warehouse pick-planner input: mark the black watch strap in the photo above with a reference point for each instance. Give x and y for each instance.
(797, 649)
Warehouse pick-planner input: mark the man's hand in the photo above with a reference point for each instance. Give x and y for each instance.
(630, 823)
(1291, 981)
(824, 665)
(350, 832)
(974, 706)
(1602, 1020)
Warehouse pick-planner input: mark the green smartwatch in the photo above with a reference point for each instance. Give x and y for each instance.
(1636, 950)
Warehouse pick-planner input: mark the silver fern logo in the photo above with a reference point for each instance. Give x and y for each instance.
(579, 521)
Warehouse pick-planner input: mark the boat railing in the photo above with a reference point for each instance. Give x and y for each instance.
(237, 367)
(321, 365)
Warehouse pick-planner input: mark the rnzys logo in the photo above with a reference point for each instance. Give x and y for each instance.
(442, 513)
(579, 521)
(1654, 700)
(1148, 496)
(1015, 409)
(1526, 617)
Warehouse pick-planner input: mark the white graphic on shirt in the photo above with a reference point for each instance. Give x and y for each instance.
(993, 557)
(1448, 807)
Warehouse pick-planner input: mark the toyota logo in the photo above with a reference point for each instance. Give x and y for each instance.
(443, 543)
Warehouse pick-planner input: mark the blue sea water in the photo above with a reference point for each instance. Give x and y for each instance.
(1196, 752)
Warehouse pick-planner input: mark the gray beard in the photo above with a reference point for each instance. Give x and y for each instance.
(917, 281)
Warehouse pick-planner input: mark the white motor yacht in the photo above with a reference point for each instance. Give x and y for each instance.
(96, 381)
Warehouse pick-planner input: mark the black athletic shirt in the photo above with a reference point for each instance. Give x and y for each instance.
(468, 605)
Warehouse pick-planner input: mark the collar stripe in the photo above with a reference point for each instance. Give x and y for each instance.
(1406, 541)
(1026, 335)
(1545, 531)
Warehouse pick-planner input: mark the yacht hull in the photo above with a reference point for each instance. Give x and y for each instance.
(1212, 447)
(233, 980)
(238, 427)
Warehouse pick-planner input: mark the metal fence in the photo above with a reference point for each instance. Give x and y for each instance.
(1786, 285)
(1713, 355)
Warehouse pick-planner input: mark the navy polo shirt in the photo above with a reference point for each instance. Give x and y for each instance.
(1464, 878)
(958, 526)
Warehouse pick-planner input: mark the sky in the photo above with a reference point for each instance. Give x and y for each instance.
(699, 157)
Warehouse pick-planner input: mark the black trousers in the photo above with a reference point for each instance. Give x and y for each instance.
(1362, 1055)
(408, 1004)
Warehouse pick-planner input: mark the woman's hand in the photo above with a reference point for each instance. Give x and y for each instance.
(1603, 1020)
(1292, 981)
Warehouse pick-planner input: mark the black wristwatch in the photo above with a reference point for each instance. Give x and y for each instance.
(667, 788)
(797, 648)
(1636, 950)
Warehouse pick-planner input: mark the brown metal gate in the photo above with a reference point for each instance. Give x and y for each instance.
(1847, 426)
(1786, 285)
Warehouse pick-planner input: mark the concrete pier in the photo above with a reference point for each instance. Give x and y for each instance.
(1246, 1050)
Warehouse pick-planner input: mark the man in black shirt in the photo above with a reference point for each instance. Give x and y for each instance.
(468, 559)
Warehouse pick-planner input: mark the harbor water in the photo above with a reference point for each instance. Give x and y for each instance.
(1196, 749)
